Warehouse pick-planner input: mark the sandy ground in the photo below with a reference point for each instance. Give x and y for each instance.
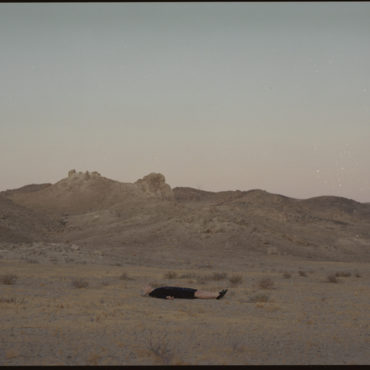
(300, 318)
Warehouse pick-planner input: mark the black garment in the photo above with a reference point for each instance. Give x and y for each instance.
(173, 291)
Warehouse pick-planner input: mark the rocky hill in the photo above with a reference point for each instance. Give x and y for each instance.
(89, 209)
(83, 192)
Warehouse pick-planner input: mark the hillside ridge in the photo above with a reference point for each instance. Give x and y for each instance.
(88, 209)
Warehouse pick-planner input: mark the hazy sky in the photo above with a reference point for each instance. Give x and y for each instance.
(216, 96)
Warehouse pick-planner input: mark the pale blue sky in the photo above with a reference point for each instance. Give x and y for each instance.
(217, 96)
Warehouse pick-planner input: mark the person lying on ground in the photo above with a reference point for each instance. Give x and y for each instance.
(172, 292)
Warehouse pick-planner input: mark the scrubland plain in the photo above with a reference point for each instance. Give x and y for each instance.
(71, 275)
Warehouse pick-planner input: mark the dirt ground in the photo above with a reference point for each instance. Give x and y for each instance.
(64, 305)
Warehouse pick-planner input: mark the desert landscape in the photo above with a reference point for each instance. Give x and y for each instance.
(75, 254)
(207, 145)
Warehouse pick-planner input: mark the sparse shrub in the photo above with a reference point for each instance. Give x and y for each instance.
(259, 298)
(124, 276)
(12, 300)
(215, 276)
(159, 345)
(10, 354)
(170, 275)
(219, 276)
(332, 278)
(201, 279)
(7, 300)
(266, 283)
(80, 283)
(343, 274)
(94, 359)
(235, 279)
(358, 275)
(188, 275)
(302, 273)
(287, 275)
(8, 279)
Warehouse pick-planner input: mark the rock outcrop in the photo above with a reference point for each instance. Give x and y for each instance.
(82, 192)
(155, 183)
(86, 175)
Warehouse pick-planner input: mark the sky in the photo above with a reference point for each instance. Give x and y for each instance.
(215, 96)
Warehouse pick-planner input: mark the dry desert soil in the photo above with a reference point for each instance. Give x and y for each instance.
(75, 255)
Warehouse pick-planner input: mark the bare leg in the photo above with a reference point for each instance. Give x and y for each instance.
(205, 295)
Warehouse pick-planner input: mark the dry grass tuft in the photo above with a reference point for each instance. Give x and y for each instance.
(235, 279)
(80, 283)
(302, 273)
(10, 354)
(187, 275)
(259, 298)
(170, 275)
(287, 275)
(94, 359)
(159, 345)
(343, 274)
(218, 276)
(332, 278)
(8, 279)
(124, 276)
(7, 300)
(266, 283)
(201, 279)
(12, 300)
